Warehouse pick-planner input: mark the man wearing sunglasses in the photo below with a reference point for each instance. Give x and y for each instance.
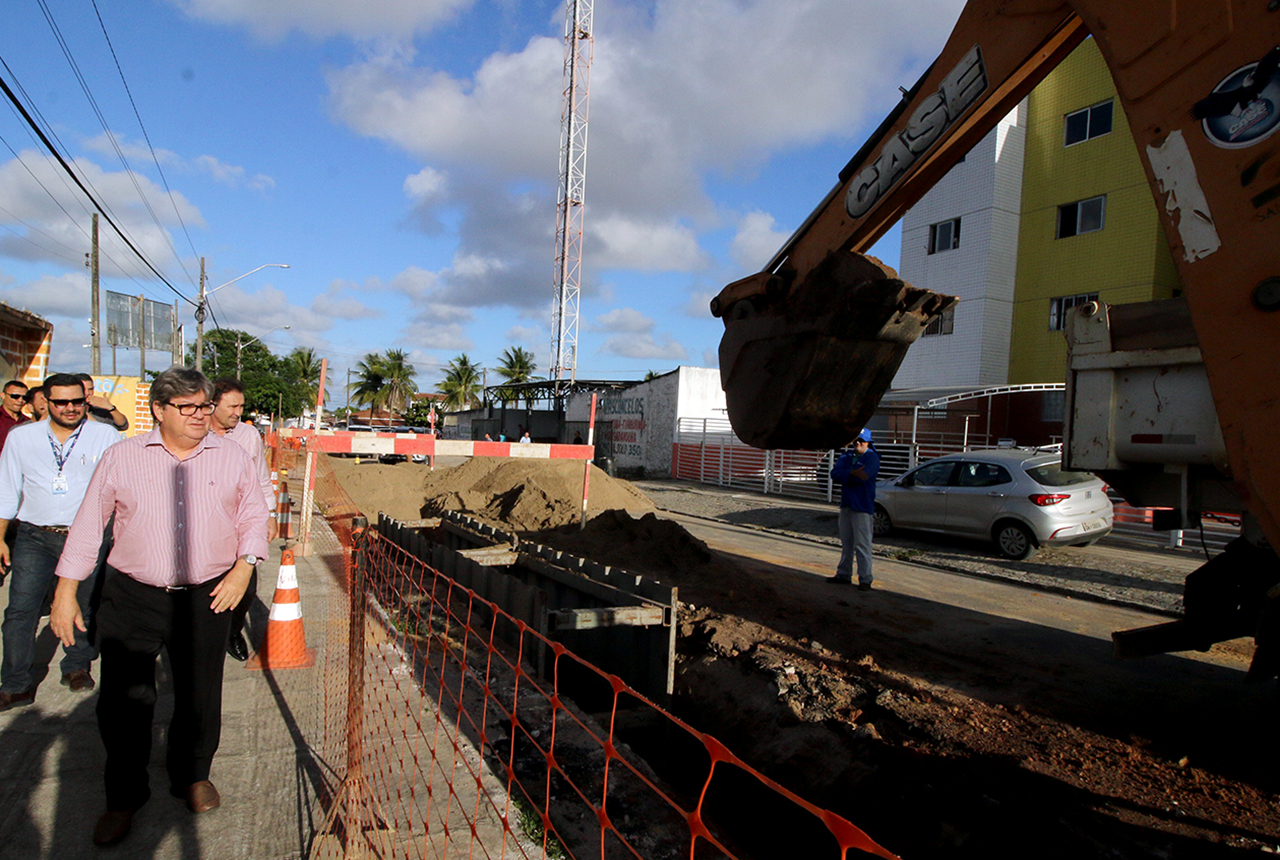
(14, 398)
(190, 524)
(44, 472)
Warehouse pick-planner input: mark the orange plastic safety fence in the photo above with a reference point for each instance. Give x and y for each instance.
(459, 741)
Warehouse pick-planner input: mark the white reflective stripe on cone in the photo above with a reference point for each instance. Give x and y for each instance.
(286, 612)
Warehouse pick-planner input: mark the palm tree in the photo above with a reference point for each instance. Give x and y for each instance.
(397, 376)
(517, 366)
(370, 388)
(303, 366)
(461, 385)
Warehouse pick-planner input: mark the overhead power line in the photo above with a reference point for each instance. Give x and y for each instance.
(76, 179)
(163, 180)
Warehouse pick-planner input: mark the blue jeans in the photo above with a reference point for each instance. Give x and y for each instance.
(855, 543)
(35, 558)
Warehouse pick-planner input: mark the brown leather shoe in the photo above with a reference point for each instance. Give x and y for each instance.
(112, 826)
(202, 796)
(15, 700)
(80, 681)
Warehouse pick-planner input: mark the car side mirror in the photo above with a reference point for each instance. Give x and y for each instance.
(907, 481)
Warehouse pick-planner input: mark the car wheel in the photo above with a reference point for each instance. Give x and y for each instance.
(880, 522)
(1014, 541)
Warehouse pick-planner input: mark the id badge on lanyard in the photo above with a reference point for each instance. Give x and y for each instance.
(60, 484)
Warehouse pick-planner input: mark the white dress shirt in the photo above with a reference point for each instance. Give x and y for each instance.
(29, 473)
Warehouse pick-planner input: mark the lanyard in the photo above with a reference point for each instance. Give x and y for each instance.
(60, 453)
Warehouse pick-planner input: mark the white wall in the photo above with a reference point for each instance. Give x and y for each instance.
(985, 192)
(645, 415)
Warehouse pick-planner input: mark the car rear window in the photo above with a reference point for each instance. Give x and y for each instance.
(1053, 475)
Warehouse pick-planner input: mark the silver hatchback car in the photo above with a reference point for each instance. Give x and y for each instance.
(1021, 500)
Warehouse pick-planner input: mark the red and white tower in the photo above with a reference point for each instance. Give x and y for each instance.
(578, 45)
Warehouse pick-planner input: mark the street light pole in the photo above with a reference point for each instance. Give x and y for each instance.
(200, 305)
(240, 346)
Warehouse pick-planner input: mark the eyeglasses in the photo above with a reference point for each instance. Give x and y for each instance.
(63, 404)
(13, 396)
(189, 409)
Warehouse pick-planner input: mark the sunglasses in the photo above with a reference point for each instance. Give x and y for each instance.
(189, 409)
(13, 396)
(63, 404)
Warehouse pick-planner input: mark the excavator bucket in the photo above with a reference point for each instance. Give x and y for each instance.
(805, 367)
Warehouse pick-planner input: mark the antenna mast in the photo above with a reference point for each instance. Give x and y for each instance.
(578, 46)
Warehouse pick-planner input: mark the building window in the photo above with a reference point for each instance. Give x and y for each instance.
(944, 236)
(1058, 308)
(1083, 216)
(944, 323)
(1053, 406)
(1087, 124)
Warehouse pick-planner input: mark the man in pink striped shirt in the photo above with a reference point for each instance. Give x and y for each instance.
(228, 406)
(190, 523)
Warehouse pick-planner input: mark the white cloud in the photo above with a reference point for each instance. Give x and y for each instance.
(624, 320)
(522, 334)
(427, 185)
(699, 304)
(52, 296)
(679, 92)
(321, 18)
(710, 358)
(644, 346)
(36, 193)
(617, 242)
(425, 334)
(336, 304)
(414, 282)
(755, 242)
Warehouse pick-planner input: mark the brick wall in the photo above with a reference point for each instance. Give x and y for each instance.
(25, 342)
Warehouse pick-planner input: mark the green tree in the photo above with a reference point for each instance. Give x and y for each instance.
(302, 367)
(370, 387)
(515, 366)
(397, 375)
(267, 390)
(418, 413)
(461, 385)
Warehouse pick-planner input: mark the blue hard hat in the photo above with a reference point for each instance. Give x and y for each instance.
(865, 435)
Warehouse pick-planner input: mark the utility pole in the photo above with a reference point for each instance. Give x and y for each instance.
(142, 341)
(177, 335)
(239, 347)
(200, 321)
(95, 338)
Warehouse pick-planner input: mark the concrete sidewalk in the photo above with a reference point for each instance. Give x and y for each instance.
(267, 770)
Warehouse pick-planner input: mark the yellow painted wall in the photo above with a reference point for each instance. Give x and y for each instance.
(128, 394)
(1126, 261)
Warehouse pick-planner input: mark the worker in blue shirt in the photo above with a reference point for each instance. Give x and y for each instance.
(856, 472)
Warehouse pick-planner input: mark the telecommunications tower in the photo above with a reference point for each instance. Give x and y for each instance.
(578, 43)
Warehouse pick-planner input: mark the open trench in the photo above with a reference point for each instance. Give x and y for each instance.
(902, 740)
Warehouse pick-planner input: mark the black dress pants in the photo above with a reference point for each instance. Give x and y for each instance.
(134, 622)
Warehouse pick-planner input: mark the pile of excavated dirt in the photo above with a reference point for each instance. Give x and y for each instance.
(521, 495)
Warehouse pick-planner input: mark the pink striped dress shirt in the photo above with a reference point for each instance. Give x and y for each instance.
(248, 438)
(178, 522)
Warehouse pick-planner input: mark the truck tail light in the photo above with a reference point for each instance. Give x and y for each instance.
(1044, 500)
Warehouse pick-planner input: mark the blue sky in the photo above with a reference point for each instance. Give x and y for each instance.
(401, 157)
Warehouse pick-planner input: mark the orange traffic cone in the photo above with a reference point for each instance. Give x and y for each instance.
(285, 645)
